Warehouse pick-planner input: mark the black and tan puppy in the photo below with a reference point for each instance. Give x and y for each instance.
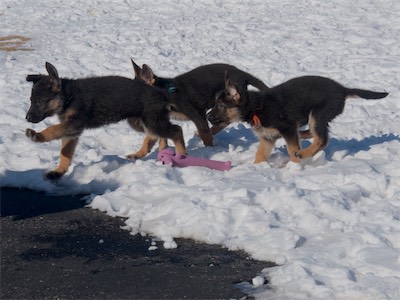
(93, 102)
(191, 94)
(280, 111)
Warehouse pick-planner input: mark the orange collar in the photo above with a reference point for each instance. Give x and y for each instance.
(256, 121)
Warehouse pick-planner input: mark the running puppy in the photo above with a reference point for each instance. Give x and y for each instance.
(191, 94)
(279, 112)
(93, 102)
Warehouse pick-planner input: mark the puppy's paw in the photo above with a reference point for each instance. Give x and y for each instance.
(137, 155)
(296, 157)
(33, 135)
(30, 133)
(53, 175)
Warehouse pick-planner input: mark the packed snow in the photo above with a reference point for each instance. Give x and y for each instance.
(331, 223)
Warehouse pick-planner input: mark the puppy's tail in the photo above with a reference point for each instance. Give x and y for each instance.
(257, 83)
(366, 94)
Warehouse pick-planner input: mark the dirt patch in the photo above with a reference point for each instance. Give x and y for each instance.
(14, 43)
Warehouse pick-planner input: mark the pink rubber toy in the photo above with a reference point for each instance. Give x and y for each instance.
(168, 156)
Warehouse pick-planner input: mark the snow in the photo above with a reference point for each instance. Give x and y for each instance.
(331, 223)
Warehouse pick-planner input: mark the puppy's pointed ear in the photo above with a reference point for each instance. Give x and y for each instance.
(232, 90)
(147, 75)
(55, 80)
(137, 69)
(34, 78)
(52, 70)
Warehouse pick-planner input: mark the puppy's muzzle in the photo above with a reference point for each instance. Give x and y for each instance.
(33, 118)
(213, 118)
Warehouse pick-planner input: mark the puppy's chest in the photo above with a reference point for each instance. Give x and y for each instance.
(267, 133)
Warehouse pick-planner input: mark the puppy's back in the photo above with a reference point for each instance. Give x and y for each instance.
(109, 99)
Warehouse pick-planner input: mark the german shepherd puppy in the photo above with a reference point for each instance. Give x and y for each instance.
(93, 102)
(191, 94)
(279, 111)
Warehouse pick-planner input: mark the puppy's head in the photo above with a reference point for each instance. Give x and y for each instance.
(46, 97)
(226, 109)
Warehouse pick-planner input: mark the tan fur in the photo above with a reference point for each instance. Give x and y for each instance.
(235, 96)
(68, 114)
(293, 149)
(50, 133)
(317, 143)
(147, 145)
(267, 133)
(54, 105)
(68, 146)
(264, 150)
(233, 114)
(268, 137)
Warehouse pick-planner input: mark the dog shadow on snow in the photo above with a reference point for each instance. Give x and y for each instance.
(353, 146)
(243, 137)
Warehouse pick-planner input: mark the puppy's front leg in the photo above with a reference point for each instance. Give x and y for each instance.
(68, 146)
(50, 133)
(264, 149)
(293, 145)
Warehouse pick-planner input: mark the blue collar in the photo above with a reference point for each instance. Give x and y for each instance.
(170, 88)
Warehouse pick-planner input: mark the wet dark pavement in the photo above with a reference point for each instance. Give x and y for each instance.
(54, 247)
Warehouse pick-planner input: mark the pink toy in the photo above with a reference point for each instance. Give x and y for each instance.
(168, 156)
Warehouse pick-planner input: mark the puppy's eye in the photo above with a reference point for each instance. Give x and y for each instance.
(220, 106)
(40, 101)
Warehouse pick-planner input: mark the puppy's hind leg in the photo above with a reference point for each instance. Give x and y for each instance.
(162, 144)
(176, 136)
(173, 132)
(320, 133)
(291, 137)
(148, 142)
(199, 119)
(305, 135)
(68, 146)
(162, 127)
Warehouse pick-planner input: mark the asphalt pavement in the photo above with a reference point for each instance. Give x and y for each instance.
(53, 247)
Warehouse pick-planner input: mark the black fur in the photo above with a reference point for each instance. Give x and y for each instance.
(192, 94)
(94, 102)
(282, 109)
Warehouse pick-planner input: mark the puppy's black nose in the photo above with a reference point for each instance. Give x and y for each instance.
(32, 118)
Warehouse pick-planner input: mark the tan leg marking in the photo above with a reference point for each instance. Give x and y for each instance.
(147, 145)
(264, 150)
(305, 134)
(179, 141)
(180, 146)
(293, 148)
(68, 146)
(50, 133)
(317, 143)
(313, 148)
(162, 144)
